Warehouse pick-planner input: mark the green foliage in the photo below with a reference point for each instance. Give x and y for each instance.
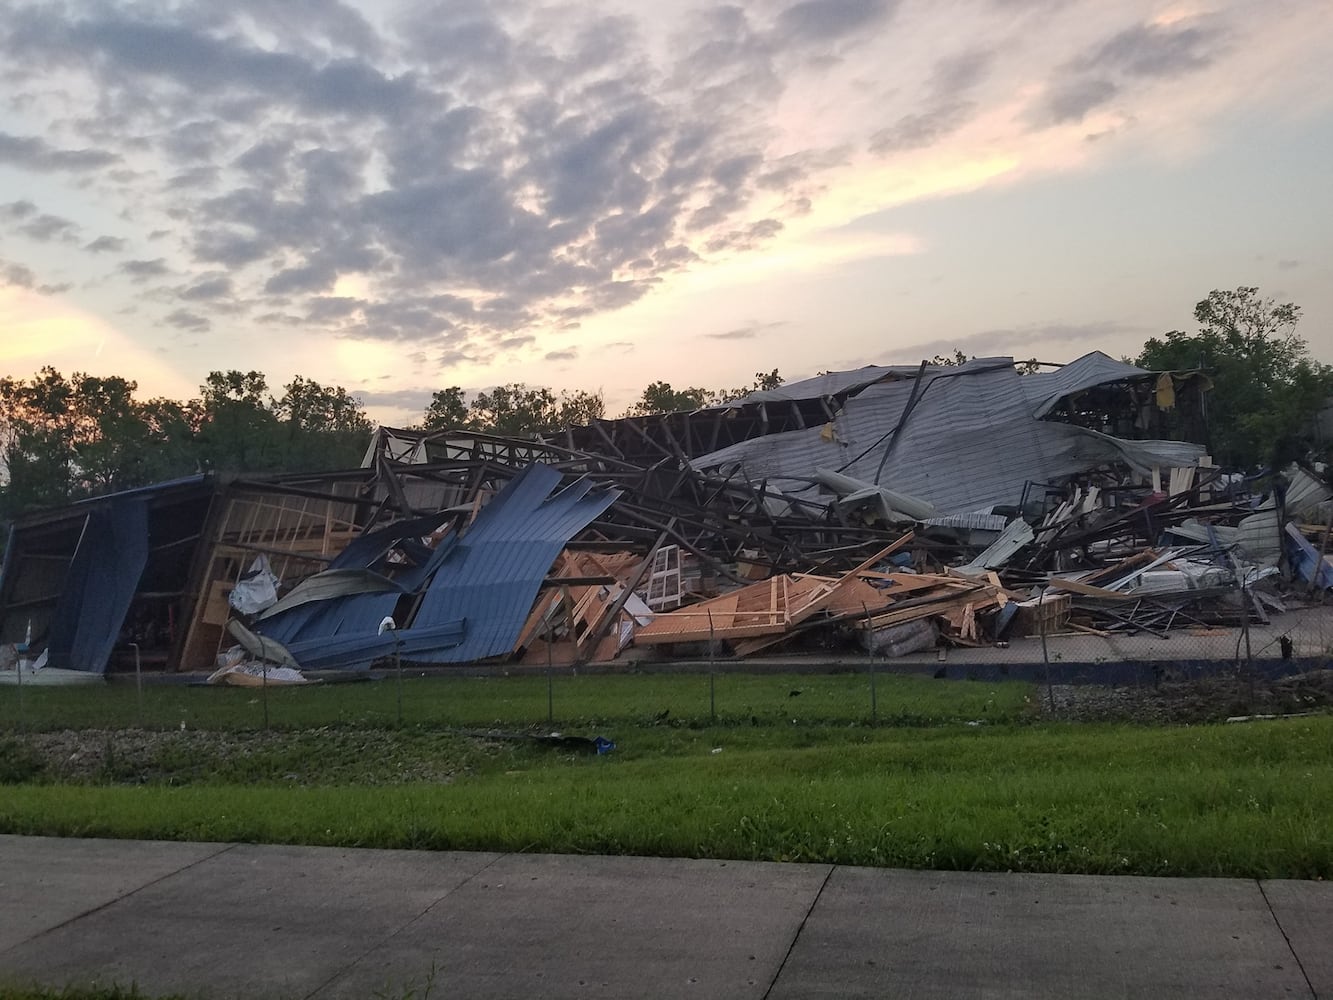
(580, 408)
(323, 427)
(1266, 387)
(19, 763)
(514, 409)
(62, 439)
(950, 360)
(660, 397)
(763, 382)
(447, 410)
(238, 430)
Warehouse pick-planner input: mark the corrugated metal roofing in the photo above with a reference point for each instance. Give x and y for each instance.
(482, 584)
(99, 587)
(490, 579)
(968, 442)
(1045, 389)
(828, 384)
(299, 623)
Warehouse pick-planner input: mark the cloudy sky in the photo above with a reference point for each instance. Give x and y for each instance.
(401, 197)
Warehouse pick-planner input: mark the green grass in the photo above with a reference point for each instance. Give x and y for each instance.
(519, 702)
(1252, 800)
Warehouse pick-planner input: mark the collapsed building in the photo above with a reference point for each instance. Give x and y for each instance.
(904, 505)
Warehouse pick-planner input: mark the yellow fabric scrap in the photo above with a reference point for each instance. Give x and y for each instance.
(1166, 392)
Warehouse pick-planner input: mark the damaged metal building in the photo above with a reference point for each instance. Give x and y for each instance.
(851, 496)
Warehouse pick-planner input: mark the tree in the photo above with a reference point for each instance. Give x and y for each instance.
(580, 408)
(171, 431)
(659, 397)
(514, 409)
(325, 427)
(313, 407)
(763, 382)
(62, 439)
(949, 360)
(1266, 388)
(447, 410)
(36, 440)
(110, 435)
(238, 431)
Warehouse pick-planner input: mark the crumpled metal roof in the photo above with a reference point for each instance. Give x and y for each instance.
(828, 384)
(491, 577)
(968, 441)
(1046, 389)
(479, 585)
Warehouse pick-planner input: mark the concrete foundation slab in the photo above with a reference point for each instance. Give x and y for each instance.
(1304, 911)
(955, 934)
(250, 922)
(555, 926)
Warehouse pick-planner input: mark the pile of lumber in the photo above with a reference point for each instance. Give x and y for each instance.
(764, 615)
(587, 610)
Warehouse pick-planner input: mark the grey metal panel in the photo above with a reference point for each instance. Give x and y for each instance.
(969, 442)
(828, 384)
(973, 522)
(1046, 389)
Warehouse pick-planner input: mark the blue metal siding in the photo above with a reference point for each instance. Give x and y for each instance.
(491, 578)
(100, 584)
(481, 588)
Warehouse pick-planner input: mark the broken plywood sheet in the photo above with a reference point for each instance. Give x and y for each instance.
(759, 609)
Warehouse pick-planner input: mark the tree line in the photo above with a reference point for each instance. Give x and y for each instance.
(64, 438)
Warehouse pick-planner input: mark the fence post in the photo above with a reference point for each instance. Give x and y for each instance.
(712, 678)
(1245, 628)
(550, 693)
(398, 666)
(138, 681)
(1045, 654)
(18, 679)
(870, 660)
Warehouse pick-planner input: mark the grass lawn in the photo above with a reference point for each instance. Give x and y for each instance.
(956, 775)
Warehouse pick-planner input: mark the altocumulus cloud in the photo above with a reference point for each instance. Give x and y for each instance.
(480, 169)
(465, 176)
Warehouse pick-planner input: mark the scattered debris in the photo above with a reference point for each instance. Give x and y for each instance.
(894, 509)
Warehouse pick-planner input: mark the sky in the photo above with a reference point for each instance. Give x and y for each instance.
(396, 198)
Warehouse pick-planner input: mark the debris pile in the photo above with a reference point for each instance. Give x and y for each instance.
(887, 509)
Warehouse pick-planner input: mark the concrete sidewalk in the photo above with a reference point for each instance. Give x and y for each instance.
(218, 920)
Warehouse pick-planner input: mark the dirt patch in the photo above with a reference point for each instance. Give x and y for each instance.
(321, 756)
(1209, 699)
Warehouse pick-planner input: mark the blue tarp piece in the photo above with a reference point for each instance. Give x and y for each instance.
(100, 584)
(491, 576)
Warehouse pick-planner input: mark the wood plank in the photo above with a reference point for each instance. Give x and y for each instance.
(1087, 590)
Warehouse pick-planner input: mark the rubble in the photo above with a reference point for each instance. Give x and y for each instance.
(890, 510)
